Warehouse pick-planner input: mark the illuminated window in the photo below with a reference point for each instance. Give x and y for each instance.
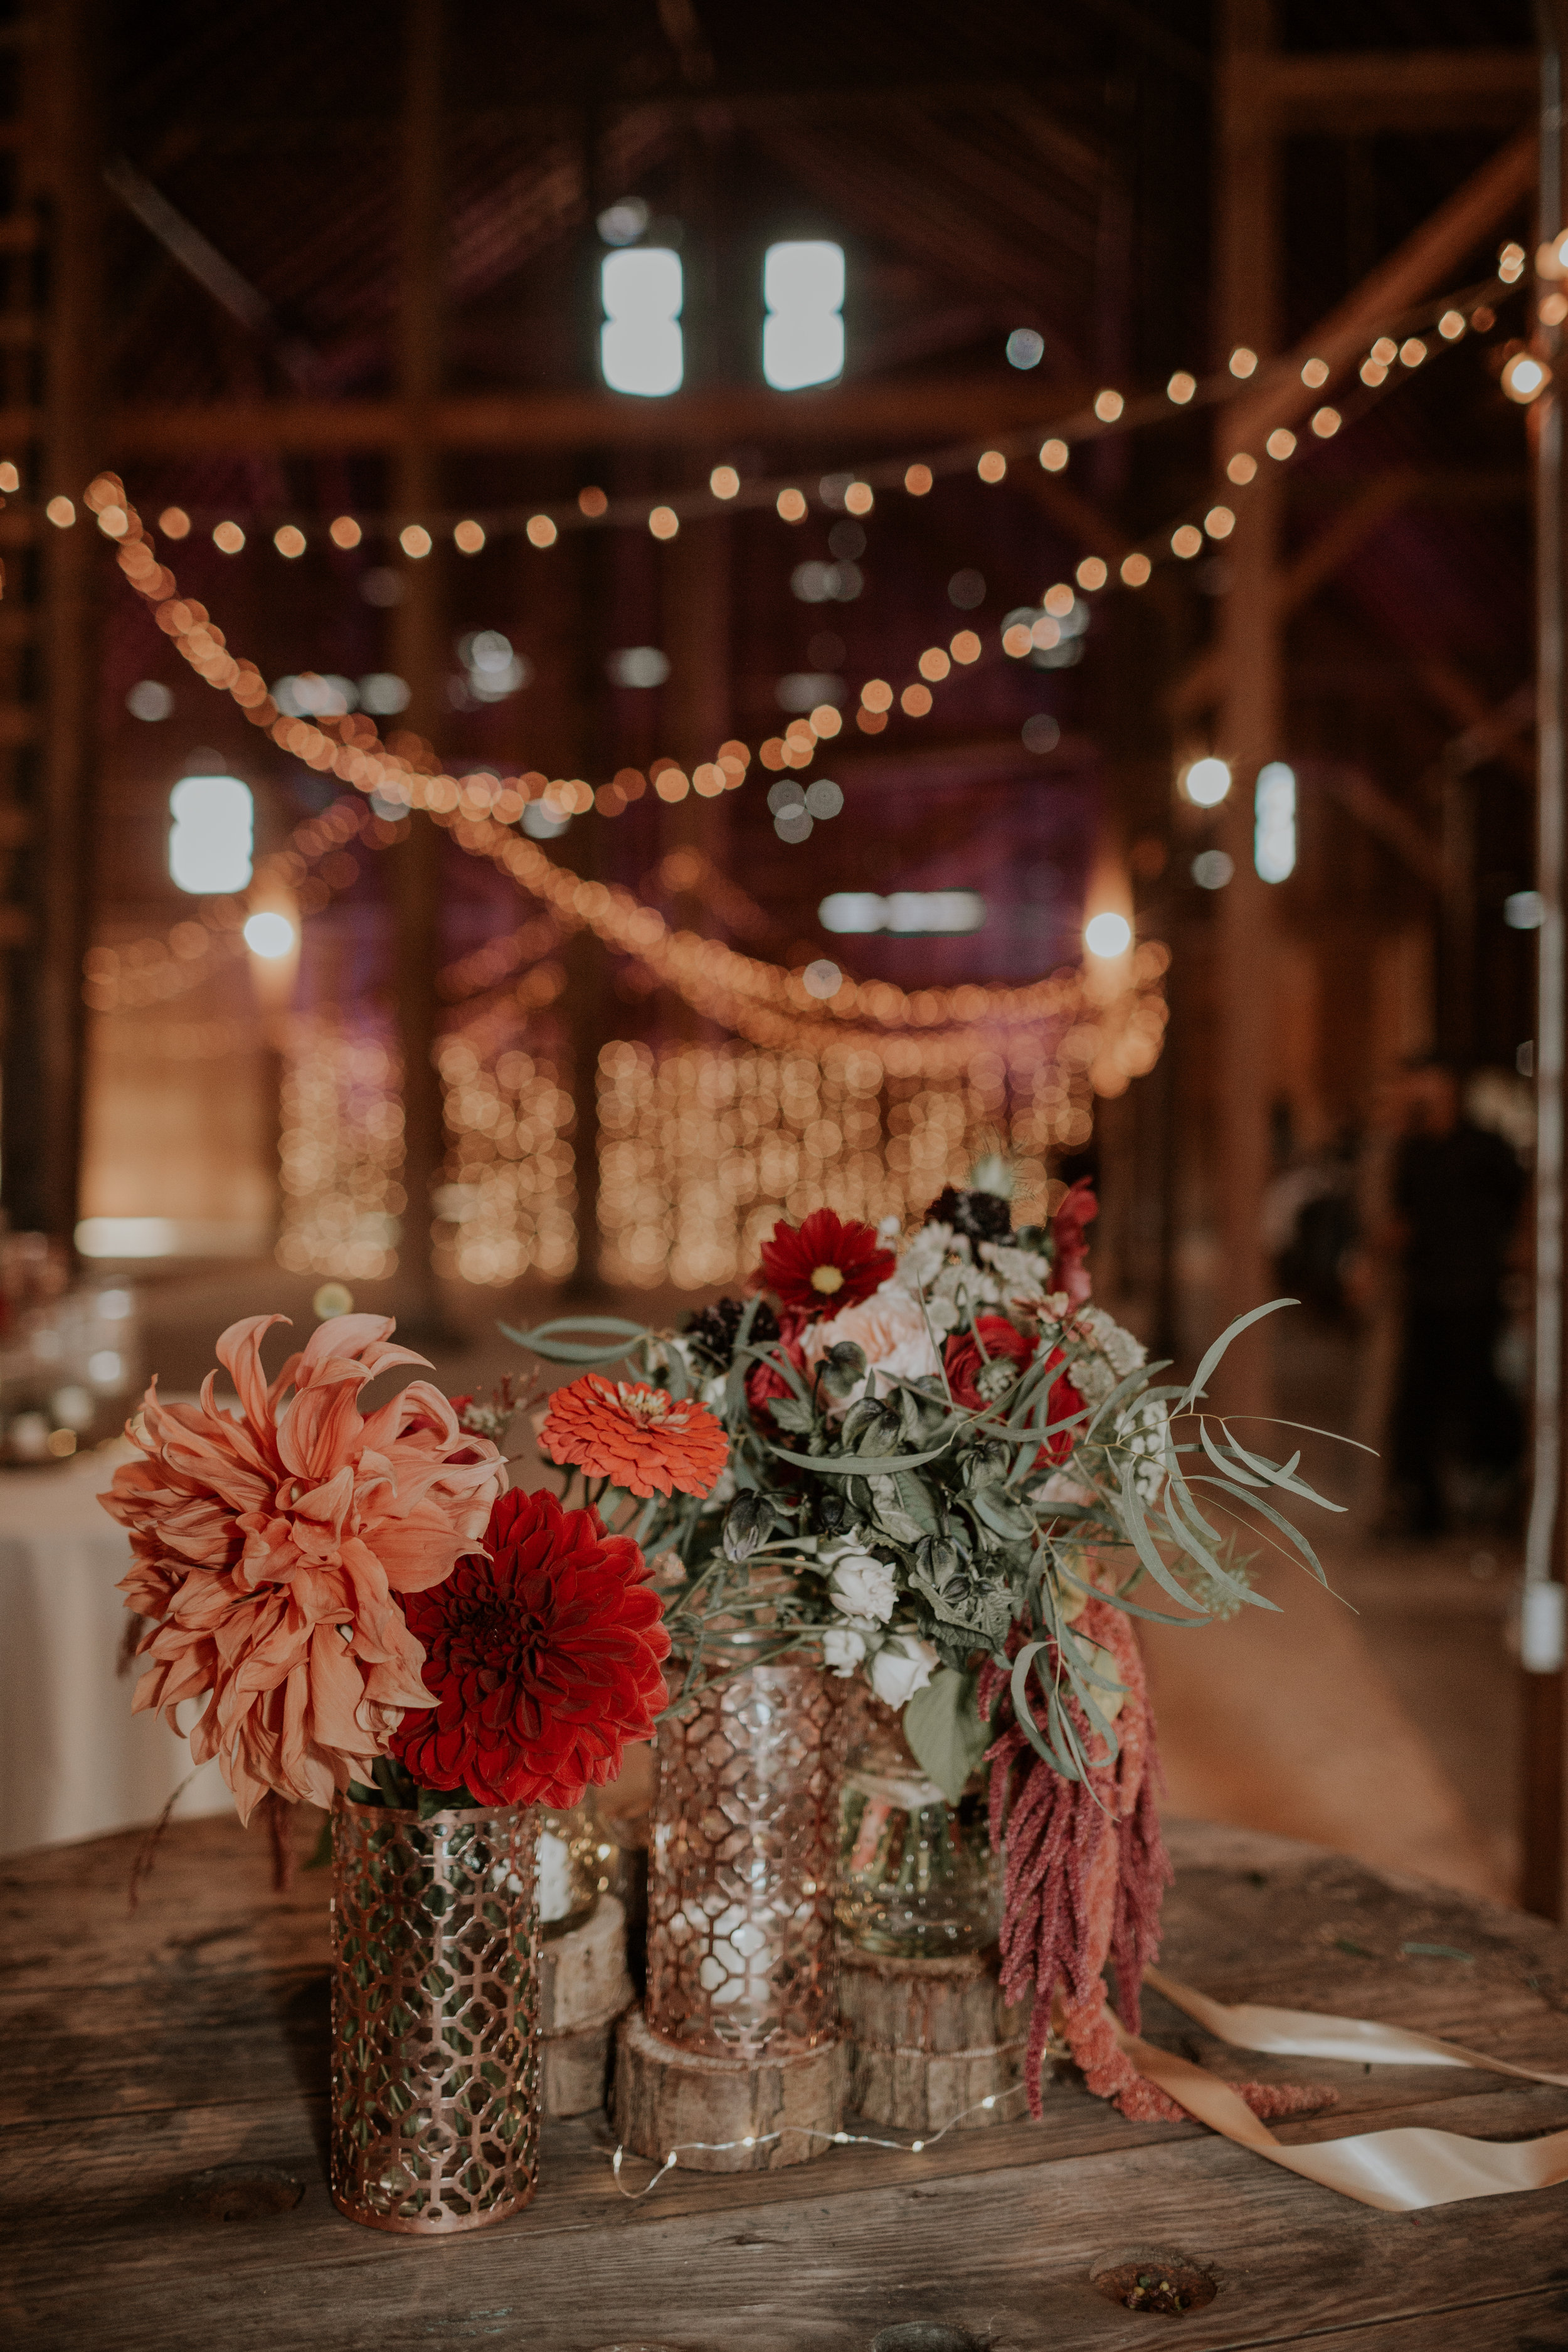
(209, 846)
(640, 347)
(802, 334)
(1274, 824)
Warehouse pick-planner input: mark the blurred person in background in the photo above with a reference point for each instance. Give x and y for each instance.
(1456, 1188)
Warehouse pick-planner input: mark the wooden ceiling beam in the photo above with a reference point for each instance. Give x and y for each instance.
(914, 410)
(1347, 95)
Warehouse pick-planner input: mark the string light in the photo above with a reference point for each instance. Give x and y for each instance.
(288, 541)
(992, 466)
(1107, 405)
(1186, 542)
(593, 503)
(1091, 574)
(663, 523)
(344, 531)
(806, 2131)
(469, 537)
(791, 505)
(1136, 570)
(1181, 388)
(541, 531)
(1326, 423)
(1054, 455)
(1242, 467)
(1243, 360)
(918, 480)
(174, 522)
(61, 513)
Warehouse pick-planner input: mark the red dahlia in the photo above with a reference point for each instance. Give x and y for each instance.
(542, 1660)
(978, 1379)
(825, 1265)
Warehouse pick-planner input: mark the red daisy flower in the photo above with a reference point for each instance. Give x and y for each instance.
(824, 1265)
(978, 1379)
(542, 1660)
(640, 1437)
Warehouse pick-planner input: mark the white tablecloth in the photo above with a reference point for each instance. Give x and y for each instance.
(73, 1761)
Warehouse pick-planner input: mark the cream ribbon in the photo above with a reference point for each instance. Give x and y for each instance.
(1399, 2171)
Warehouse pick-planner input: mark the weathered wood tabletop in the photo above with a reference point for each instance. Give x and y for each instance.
(147, 2053)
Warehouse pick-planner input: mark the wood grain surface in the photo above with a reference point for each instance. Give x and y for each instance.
(162, 2110)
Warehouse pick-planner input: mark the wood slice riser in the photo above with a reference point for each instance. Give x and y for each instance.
(583, 1988)
(929, 2039)
(664, 2095)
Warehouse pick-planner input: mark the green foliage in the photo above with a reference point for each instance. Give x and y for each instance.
(948, 1737)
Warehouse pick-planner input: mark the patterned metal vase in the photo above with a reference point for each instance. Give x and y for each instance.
(436, 2092)
(741, 1958)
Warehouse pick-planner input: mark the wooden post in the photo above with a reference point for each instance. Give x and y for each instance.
(1546, 1870)
(418, 647)
(1247, 254)
(45, 1022)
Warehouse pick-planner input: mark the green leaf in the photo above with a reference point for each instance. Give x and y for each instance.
(1232, 1331)
(948, 1737)
(792, 1414)
(863, 1466)
(545, 1339)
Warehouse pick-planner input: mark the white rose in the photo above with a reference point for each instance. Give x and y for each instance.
(842, 1648)
(902, 1666)
(864, 1586)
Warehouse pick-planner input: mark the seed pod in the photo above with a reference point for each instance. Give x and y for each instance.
(748, 1522)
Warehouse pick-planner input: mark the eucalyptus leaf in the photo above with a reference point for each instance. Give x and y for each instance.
(616, 1338)
(947, 1735)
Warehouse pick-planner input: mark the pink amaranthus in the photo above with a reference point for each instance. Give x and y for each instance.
(270, 1550)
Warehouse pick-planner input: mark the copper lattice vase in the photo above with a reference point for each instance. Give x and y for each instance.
(742, 1960)
(436, 2091)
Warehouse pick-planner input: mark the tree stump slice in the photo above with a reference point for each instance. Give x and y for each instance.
(929, 2038)
(666, 2095)
(583, 1988)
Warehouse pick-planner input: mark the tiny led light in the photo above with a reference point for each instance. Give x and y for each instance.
(724, 482)
(1108, 405)
(1135, 571)
(859, 497)
(1108, 934)
(289, 540)
(10, 478)
(228, 539)
(1181, 387)
(174, 522)
(1206, 781)
(918, 480)
(965, 646)
(344, 531)
(269, 936)
(1016, 640)
(915, 700)
(1386, 349)
(1281, 443)
(1511, 263)
(877, 694)
(1326, 423)
(1412, 351)
(592, 501)
(1314, 373)
(1058, 600)
(1054, 455)
(663, 523)
(1243, 360)
(1451, 326)
(415, 540)
(1242, 467)
(1092, 573)
(934, 664)
(469, 537)
(1524, 378)
(1219, 522)
(791, 505)
(1373, 373)
(1186, 542)
(541, 531)
(991, 467)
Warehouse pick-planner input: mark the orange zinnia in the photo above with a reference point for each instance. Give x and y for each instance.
(641, 1438)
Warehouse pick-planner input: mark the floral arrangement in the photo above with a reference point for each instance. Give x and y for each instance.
(360, 1603)
(937, 1462)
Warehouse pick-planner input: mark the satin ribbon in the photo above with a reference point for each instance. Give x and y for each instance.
(1400, 2171)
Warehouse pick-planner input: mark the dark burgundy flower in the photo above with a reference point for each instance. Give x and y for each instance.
(978, 1379)
(542, 1660)
(713, 1330)
(824, 1265)
(983, 1216)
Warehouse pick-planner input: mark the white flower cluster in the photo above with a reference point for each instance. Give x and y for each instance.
(864, 1593)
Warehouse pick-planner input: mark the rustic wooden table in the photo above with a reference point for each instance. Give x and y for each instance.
(164, 2184)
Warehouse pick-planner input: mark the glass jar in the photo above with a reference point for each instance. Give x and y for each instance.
(917, 1877)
